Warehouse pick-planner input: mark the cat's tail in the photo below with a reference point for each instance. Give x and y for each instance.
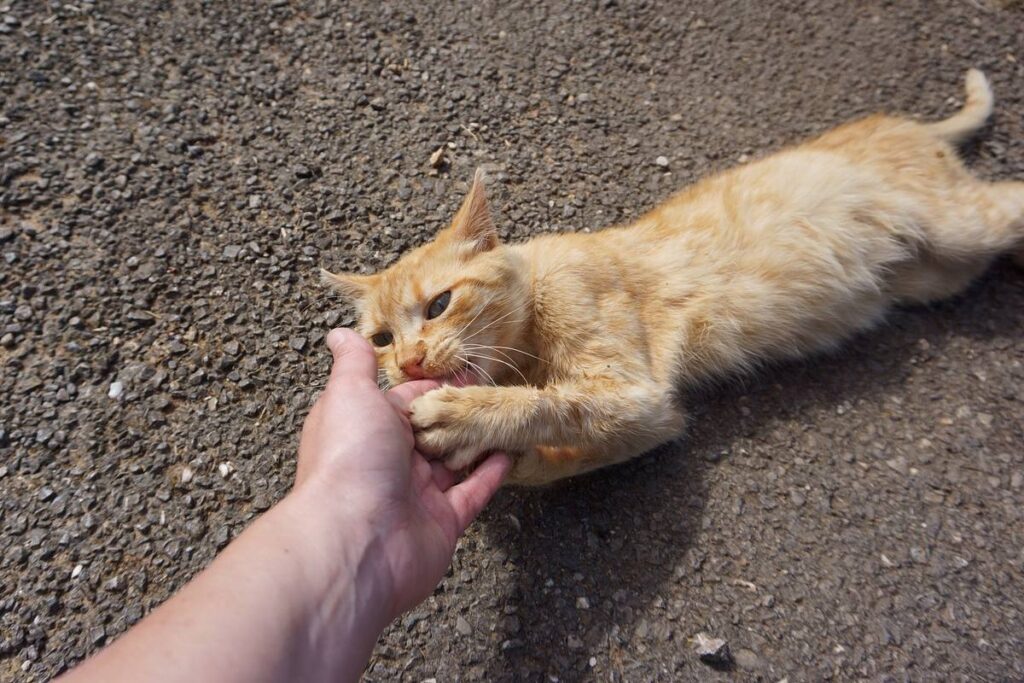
(966, 122)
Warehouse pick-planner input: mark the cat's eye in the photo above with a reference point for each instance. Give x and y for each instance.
(382, 338)
(438, 305)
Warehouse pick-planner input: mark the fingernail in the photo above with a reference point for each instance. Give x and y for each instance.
(336, 338)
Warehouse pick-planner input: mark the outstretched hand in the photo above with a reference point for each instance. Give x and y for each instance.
(304, 592)
(358, 449)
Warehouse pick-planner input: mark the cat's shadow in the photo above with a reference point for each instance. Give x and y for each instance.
(591, 555)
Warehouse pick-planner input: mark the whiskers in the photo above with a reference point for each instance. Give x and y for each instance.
(514, 350)
(483, 373)
(474, 351)
(496, 321)
(491, 352)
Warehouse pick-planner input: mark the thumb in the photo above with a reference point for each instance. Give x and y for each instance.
(404, 394)
(470, 496)
(354, 359)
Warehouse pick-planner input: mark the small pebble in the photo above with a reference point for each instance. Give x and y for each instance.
(898, 464)
(662, 161)
(437, 159)
(116, 389)
(713, 651)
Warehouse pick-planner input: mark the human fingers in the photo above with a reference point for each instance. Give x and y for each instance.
(354, 359)
(469, 497)
(404, 394)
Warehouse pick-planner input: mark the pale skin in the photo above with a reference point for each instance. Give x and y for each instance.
(366, 533)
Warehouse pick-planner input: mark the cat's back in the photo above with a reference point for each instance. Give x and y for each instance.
(758, 257)
(786, 254)
(857, 187)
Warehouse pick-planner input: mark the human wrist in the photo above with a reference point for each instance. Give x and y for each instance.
(347, 588)
(332, 570)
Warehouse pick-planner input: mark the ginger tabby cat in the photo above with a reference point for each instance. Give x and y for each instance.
(569, 351)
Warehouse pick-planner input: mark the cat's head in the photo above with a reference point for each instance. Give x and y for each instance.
(440, 311)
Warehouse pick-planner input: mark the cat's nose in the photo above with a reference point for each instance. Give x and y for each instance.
(413, 367)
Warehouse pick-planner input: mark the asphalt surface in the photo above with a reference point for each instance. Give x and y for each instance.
(173, 174)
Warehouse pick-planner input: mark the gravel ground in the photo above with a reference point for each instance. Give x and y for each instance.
(173, 173)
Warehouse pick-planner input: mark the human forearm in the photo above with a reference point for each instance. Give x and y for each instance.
(288, 600)
(303, 594)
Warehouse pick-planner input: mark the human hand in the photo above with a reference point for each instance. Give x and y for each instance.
(357, 456)
(304, 593)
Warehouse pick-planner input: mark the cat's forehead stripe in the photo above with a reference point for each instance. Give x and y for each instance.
(415, 289)
(391, 293)
(473, 281)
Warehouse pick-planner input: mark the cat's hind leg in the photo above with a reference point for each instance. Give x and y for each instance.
(1007, 200)
(1001, 206)
(930, 279)
(545, 464)
(983, 222)
(1004, 210)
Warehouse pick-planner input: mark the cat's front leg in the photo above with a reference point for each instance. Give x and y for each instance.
(460, 423)
(608, 419)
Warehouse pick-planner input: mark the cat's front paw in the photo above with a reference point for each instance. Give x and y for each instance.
(444, 428)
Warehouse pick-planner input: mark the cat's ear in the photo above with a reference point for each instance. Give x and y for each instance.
(472, 225)
(350, 286)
